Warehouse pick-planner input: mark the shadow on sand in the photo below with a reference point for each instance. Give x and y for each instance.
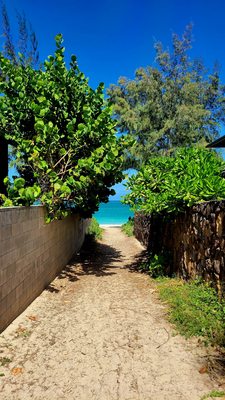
(97, 258)
(134, 266)
(94, 258)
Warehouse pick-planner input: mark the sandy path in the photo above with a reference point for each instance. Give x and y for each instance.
(99, 333)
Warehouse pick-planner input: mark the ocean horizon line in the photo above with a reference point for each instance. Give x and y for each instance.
(114, 212)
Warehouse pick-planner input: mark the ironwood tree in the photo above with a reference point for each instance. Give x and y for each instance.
(171, 104)
(20, 50)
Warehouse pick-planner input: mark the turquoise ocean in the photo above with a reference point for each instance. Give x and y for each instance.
(113, 212)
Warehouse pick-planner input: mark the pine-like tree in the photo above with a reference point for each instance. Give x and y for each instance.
(25, 52)
(175, 103)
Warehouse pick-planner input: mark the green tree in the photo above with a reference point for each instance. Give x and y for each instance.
(24, 48)
(175, 103)
(67, 151)
(24, 52)
(168, 184)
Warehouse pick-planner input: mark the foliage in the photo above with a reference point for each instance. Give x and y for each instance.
(27, 50)
(194, 308)
(19, 193)
(94, 229)
(4, 361)
(66, 149)
(212, 394)
(170, 183)
(173, 104)
(155, 265)
(24, 52)
(128, 227)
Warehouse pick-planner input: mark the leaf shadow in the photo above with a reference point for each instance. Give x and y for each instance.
(68, 273)
(140, 258)
(96, 258)
(52, 289)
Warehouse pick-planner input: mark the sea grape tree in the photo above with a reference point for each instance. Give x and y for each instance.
(65, 146)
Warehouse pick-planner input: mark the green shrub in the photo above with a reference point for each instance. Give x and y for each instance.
(94, 229)
(169, 184)
(194, 308)
(62, 135)
(128, 227)
(155, 265)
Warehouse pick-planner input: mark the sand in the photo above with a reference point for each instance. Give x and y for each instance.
(99, 332)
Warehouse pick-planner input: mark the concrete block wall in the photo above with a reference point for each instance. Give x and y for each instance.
(31, 254)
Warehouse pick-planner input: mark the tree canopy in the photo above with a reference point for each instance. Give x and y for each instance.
(20, 48)
(173, 103)
(65, 142)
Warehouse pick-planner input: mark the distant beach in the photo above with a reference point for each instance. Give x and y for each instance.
(113, 213)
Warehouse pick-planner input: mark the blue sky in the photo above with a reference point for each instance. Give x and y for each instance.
(112, 38)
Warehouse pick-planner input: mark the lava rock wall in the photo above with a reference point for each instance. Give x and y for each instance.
(193, 241)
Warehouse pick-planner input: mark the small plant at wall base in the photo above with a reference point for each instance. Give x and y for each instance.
(169, 184)
(64, 138)
(194, 309)
(213, 394)
(128, 227)
(155, 265)
(94, 230)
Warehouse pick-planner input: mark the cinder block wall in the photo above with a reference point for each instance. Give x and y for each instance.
(31, 254)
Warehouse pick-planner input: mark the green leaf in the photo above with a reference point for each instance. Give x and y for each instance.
(41, 99)
(43, 112)
(62, 152)
(57, 186)
(39, 125)
(42, 164)
(59, 38)
(19, 183)
(65, 190)
(83, 178)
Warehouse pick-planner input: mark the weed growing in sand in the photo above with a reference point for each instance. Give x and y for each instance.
(128, 227)
(94, 229)
(194, 308)
(213, 393)
(4, 361)
(155, 265)
(21, 331)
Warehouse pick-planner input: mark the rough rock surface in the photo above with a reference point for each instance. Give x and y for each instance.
(99, 333)
(194, 240)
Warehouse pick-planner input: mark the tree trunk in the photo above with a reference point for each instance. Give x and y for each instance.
(3, 163)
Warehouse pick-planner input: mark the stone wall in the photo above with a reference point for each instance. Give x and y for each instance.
(31, 255)
(193, 241)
